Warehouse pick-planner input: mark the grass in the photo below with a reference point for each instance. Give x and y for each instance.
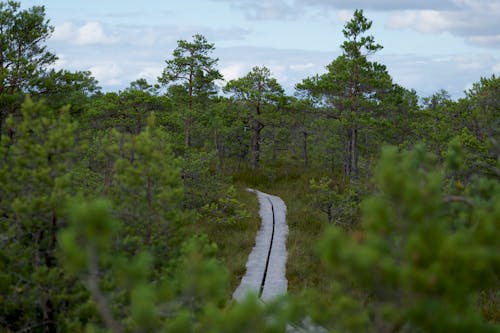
(305, 223)
(235, 240)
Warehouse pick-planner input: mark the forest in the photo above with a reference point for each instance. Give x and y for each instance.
(127, 211)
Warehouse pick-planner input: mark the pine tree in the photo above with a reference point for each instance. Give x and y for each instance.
(419, 267)
(261, 93)
(352, 87)
(36, 176)
(191, 74)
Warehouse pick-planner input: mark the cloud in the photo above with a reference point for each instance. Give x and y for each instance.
(92, 33)
(150, 73)
(478, 22)
(64, 32)
(233, 71)
(292, 9)
(428, 74)
(281, 72)
(119, 54)
(427, 21)
(154, 35)
(344, 15)
(61, 62)
(288, 66)
(108, 73)
(265, 10)
(496, 68)
(302, 67)
(469, 65)
(380, 5)
(489, 40)
(88, 33)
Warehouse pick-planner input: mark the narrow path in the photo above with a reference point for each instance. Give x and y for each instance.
(266, 263)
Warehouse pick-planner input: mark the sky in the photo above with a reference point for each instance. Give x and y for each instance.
(428, 44)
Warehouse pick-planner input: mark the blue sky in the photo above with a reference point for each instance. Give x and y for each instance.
(428, 44)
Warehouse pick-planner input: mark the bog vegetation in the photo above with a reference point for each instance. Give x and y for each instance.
(127, 212)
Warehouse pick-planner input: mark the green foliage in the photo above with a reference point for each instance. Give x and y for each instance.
(126, 111)
(193, 66)
(24, 57)
(61, 88)
(340, 205)
(352, 88)
(147, 188)
(190, 76)
(110, 225)
(480, 109)
(355, 44)
(418, 269)
(191, 298)
(260, 93)
(202, 184)
(323, 193)
(227, 209)
(35, 173)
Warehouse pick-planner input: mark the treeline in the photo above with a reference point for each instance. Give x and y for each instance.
(106, 198)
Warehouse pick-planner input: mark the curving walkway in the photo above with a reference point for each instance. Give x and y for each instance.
(266, 265)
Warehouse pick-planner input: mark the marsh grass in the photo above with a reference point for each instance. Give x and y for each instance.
(234, 240)
(305, 222)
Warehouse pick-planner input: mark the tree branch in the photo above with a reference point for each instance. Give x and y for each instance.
(100, 300)
(456, 198)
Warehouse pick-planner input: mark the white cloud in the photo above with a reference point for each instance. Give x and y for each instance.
(469, 65)
(291, 9)
(61, 62)
(64, 32)
(482, 5)
(87, 34)
(429, 74)
(468, 86)
(150, 73)
(302, 67)
(344, 15)
(496, 68)
(266, 10)
(380, 5)
(484, 40)
(280, 72)
(92, 33)
(233, 71)
(478, 22)
(108, 73)
(427, 21)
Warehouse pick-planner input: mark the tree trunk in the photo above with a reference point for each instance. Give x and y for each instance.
(256, 140)
(219, 147)
(351, 153)
(187, 125)
(329, 212)
(256, 144)
(347, 157)
(354, 152)
(304, 149)
(189, 121)
(49, 317)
